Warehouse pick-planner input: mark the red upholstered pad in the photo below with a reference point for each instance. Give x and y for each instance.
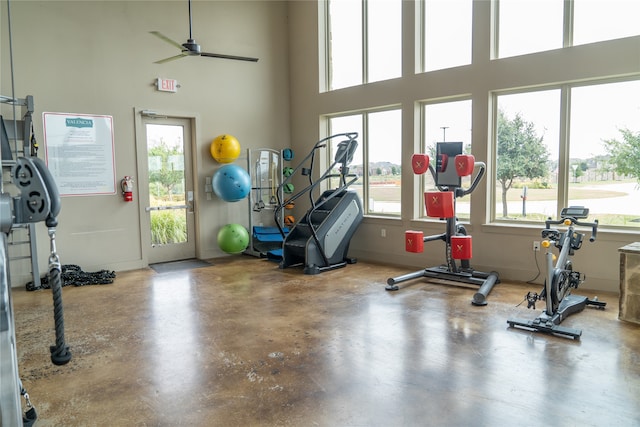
(413, 241)
(465, 164)
(461, 247)
(439, 204)
(420, 163)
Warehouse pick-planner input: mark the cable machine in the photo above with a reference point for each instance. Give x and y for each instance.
(34, 199)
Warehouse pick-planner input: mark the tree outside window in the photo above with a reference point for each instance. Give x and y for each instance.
(605, 124)
(602, 163)
(522, 156)
(527, 156)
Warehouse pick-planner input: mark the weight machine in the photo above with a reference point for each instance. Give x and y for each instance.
(37, 200)
(561, 277)
(451, 166)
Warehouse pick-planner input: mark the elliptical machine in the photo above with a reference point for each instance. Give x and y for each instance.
(451, 166)
(561, 277)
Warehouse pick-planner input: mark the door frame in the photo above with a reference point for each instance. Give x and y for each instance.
(143, 172)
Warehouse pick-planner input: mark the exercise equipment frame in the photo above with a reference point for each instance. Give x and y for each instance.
(561, 277)
(320, 239)
(447, 179)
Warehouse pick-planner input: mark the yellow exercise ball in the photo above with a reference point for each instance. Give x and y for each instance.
(225, 148)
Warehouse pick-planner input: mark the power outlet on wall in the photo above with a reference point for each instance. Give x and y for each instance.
(536, 246)
(383, 232)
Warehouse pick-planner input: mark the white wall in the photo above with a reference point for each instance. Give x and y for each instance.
(97, 57)
(501, 248)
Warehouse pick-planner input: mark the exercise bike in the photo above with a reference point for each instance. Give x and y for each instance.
(561, 278)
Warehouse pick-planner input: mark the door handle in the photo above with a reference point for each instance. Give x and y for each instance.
(190, 201)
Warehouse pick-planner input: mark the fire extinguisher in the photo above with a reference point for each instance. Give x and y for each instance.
(126, 184)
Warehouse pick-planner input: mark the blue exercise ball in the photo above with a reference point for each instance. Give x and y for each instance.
(233, 238)
(231, 183)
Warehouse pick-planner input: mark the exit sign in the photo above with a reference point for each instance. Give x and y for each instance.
(167, 85)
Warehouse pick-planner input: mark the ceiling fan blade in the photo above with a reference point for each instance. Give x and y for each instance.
(171, 58)
(166, 39)
(234, 57)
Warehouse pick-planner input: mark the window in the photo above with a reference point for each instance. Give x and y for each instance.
(528, 26)
(345, 124)
(446, 122)
(345, 43)
(446, 31)
(552, 142)
(528, 128)
(597, 20)
(364, 41)
(535, 179)
(379, 147)
(601, 113)
(384, 40)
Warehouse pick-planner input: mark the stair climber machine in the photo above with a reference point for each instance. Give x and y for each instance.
(320, 239)
(451, 166)
(38, 201)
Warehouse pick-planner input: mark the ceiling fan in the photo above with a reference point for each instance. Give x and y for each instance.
(191, 48)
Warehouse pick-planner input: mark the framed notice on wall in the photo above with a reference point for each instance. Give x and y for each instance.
(79, 151)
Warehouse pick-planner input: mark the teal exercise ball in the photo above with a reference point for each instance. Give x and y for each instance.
(231, 183)
(233, 238)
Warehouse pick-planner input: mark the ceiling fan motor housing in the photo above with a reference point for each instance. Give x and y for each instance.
(191, 47)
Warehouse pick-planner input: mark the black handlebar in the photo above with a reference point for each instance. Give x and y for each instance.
(574, 221)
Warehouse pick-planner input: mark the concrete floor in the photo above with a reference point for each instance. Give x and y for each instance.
(242, 343)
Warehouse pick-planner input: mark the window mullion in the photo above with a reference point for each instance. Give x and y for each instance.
(567, 30)
(328, 76)
(365, 162)
(422, 39)
(564, 168)
(365, 42)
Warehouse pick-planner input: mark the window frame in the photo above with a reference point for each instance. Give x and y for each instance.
(568, 25)
(326, 69)
(564, 146)
(422, 105)
(421, 41)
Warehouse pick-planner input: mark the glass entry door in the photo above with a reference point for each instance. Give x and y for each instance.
(170, 200)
